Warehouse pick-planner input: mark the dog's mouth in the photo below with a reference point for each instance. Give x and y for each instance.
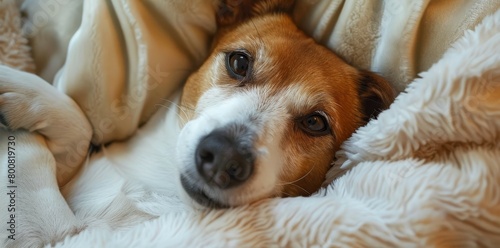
(199, 196)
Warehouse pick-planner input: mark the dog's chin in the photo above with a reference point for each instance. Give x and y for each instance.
(199, 196)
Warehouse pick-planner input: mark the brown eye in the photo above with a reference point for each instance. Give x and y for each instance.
(238, 64)
(315, 124)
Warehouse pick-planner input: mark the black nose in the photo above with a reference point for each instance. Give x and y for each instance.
(221, 160)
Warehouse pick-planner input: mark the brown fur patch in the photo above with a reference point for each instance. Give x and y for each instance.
(235, 12)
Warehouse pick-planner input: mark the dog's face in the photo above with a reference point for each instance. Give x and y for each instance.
(267, 111)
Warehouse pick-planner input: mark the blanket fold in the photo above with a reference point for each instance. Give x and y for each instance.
(124, 59)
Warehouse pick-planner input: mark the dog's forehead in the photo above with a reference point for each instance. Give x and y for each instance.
(284, 55)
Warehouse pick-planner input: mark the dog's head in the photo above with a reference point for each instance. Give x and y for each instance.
(270, 107)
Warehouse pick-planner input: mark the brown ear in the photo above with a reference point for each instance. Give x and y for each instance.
(375, 93)
(237, 11)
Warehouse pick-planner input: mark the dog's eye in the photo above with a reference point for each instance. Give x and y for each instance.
(315, 124)
(238, 64)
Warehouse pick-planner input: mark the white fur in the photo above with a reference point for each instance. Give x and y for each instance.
(265, 115)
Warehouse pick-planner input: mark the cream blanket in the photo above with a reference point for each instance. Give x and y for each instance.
(426, 173)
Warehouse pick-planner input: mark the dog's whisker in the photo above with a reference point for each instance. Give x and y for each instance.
(181, 107)
(302, 177)
(182, 118)
(307, 192)
(336, 104)
(185, 118)
(295, 185)
(177, 104)
(284, 193)
(256, 30)
(164, 106)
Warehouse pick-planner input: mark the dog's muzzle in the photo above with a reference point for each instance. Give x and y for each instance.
(223, 160)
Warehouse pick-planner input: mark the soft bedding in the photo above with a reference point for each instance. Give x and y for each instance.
(425, 173)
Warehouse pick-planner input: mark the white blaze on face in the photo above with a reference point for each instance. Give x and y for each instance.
(267, 117)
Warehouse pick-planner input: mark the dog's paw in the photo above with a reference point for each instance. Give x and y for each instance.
(30, 103)
(26, 100)
(22, 111)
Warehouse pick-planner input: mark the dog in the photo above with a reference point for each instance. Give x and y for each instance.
(262, 117)
(271, 107)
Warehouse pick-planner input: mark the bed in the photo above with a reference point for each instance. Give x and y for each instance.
(426, 173)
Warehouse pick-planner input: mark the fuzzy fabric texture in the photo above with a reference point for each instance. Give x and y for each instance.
(425, 174)
(14, 49)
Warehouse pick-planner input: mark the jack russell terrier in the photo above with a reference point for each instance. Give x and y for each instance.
(262, 117)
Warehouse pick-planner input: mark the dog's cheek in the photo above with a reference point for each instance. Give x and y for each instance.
(200, 82)
(307, 159)
(188, 102)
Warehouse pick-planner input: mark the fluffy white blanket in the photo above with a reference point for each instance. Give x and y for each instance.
(426, 173)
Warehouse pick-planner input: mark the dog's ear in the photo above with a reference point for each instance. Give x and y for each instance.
(236, 11)
(375, 93)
